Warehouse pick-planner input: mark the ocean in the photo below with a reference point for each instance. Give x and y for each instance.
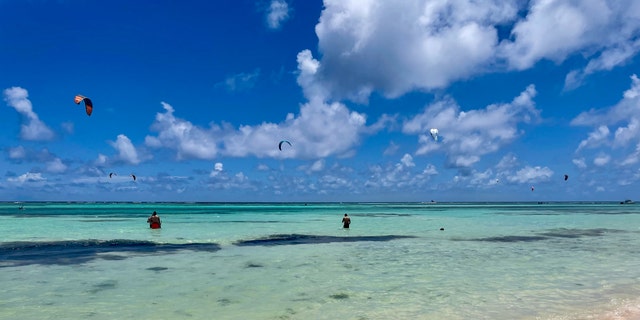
(62, 260)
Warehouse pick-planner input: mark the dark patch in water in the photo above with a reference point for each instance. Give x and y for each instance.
(112, 257)
(81, 251)
(577, 233)
(254, 265)
(289, 239)
(550, 234)
(512, 239)
(104, 285)
(224, 302)
(157, 269)
(339, 296)
(381, 215)
(252, 221)
(106, 220)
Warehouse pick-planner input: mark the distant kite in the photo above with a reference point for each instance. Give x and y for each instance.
(133, 176)
(88, 105)
(566, 177)
(112, 174)
(281, 142)
(434, 133)
(532, 188)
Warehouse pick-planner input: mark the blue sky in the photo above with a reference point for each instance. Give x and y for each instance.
(193, 97)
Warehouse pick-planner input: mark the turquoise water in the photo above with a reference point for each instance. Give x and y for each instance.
(294, 261)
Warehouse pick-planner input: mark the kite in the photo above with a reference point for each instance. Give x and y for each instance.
(532, 188)
(434, 133)
(566, 177)
(112, 174)
(88, 105)
(133, 176)
(281, 142)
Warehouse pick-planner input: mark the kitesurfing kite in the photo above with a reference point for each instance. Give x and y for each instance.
(566, 177)
(434, 133)
(281, 142)
(133, 176)
(88, 105)
(112, 174)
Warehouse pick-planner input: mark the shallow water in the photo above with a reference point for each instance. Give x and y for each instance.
(294, 261)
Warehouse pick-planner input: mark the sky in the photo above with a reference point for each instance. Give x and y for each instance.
(193, 98)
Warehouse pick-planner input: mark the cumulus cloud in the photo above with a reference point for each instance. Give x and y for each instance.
(398, 46)
(395, 47)
(321, 129)
(21, 154)
(624, 120)
(126, 151)
(400, 175)
(32, 127)
(595, 139)
(29, 177)
(222, 180)
(530, 174)
(56, 166)
(277, 13)
(17, 153)
(188, 140)
(580, 163)
(465, 136)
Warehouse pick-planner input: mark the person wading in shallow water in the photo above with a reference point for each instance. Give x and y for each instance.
(154, 221)
(346, 221)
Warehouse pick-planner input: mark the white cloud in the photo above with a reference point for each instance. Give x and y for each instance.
(602, 160)
(319, 130)
(17, 153)
(242, 81)
(430, 170)
(507, 162)
(56, 166)
(624, 120)
(126, 151)
(595, 139)
(188, 140)
(467, 135)
(632, 158)
(398, 46)
(580, 163)
(317, 165)
(391, 149)
(531, 174)
(399, 175)
(32, 127)
(277, 13)
(27, 177)
(101, 160)
(407, 161)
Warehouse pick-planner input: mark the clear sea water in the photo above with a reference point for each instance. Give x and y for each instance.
(295, 261)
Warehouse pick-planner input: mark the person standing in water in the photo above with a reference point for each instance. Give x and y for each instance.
(154, 221)
(346, 221)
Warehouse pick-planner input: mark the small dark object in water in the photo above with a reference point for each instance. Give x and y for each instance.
(340, 296)
(157, 268)
(441, 229)
(254, 265)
